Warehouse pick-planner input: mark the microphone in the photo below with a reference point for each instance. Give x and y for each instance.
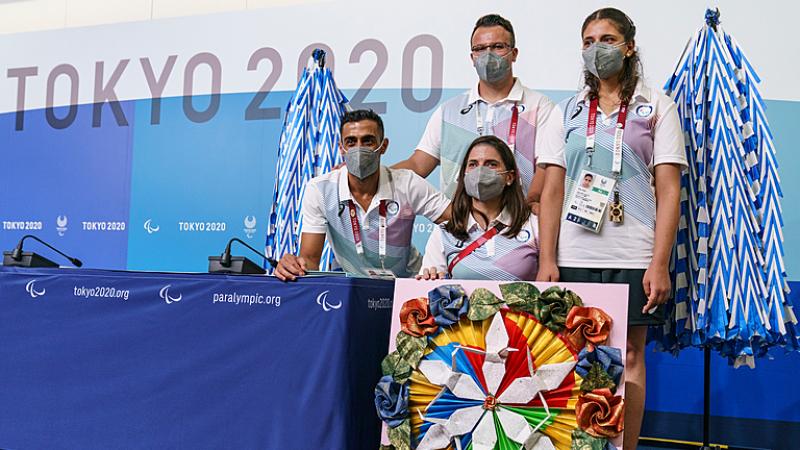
(226, 263)
(19, 258)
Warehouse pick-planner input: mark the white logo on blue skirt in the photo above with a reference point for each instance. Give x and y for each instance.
(644, 111)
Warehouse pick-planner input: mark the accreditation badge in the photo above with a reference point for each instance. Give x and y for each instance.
(589, 200)
(383, 274)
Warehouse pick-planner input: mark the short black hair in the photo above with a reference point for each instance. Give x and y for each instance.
(358, 115)
(494, 20)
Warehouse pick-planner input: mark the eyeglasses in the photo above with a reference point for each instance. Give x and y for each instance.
(498, 48)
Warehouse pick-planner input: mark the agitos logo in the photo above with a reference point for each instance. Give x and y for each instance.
(149, 227)
(30, 288)
(164, 294)
(322, 300)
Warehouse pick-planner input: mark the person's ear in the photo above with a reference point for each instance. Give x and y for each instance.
(384, 145)
(514, 53)
(630, 48)
(510, 177)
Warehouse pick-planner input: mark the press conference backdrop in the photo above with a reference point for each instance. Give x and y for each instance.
(146, 145)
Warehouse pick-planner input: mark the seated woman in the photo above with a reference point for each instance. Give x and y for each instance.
(492, 233)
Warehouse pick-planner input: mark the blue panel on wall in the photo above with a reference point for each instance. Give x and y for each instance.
(73, 182)
(195, 184)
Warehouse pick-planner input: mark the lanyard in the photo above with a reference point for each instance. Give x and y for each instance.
(477, 243)
(591, 128)
(512, 129)
(357, 229)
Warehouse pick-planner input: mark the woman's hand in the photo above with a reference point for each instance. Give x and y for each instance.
(431, 274)
(657, 286)
(547, 272)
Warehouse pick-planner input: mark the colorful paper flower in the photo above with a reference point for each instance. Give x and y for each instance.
(481, 401)
(391, 401)
(553, 305)
(502, 374)
(588, 326)
(610, 358)
(416, 318)
(601, 413)
(448, 303)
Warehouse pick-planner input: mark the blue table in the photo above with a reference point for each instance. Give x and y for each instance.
(104, 359)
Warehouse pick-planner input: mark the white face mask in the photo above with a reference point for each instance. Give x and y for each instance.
(603, 60)
(483, 183)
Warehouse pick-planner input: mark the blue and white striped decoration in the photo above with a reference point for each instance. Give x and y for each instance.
(728, 269)
(308, 147)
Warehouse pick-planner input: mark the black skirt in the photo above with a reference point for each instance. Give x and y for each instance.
(632, 277)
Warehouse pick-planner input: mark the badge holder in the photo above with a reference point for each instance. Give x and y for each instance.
(589, 200)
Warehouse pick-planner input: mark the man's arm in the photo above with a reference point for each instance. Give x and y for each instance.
(549, 221)
(445, 215)
(534, 197)
(426, 157)
(312, 238)
(420, 162)
(290, 266)
(425, 199)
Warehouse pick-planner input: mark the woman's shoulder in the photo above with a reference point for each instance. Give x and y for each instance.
(653, 95)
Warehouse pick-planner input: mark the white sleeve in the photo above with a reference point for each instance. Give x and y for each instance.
(424, 198)
(314, 220)
(550, 142)
(431, 142)
(434, 252)
(668, 143)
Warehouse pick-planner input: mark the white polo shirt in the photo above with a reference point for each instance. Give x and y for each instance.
(500, 258)
(325, 210)
(455, 124)
(652, 136)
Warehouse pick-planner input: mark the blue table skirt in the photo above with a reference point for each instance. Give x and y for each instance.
(104, 359)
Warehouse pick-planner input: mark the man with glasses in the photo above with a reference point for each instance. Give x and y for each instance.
(366, 210)
(500, 105)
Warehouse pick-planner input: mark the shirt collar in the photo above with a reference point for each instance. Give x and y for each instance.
(514, 95)
(641, 93)
(504, 218)
(384, 185)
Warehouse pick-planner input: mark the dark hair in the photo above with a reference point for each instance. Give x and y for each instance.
(494, 20)
(512, 196)
(358, 115)
(631, 66)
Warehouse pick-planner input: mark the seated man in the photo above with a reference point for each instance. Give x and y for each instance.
(367, 210)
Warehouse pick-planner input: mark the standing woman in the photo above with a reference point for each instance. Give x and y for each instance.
(625, 153)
